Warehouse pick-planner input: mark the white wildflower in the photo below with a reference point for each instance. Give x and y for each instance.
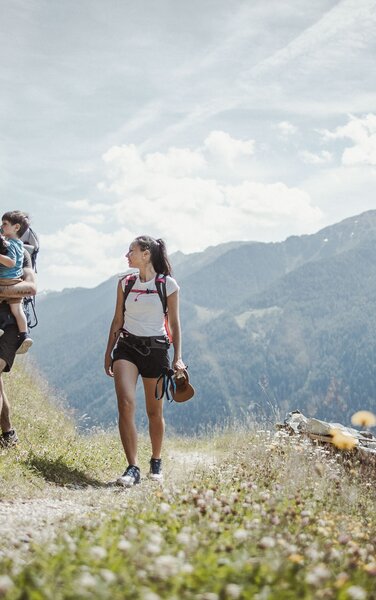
(131, 533)
(355, 592)
(86, 580)
(318, 575)
(240, 535)
(233, 591)
(187, 568)
(152, 548)
(266, 542)
(313, 554)
(184, 538)
(107, 575)
(6, 584)
(156, 538)
(149, 595)
(166, 566)
(164, 508)
(98, 552)
(124, 545)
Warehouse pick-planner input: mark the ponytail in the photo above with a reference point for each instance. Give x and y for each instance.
(158, 253)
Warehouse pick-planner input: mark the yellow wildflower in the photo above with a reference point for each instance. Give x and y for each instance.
(364, 418)
(371, 568)
(296, 558)
(343, 440)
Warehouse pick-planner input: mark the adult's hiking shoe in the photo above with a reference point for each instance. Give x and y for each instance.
(155, 472)
(24, 343)
(130, 477)
(8, 439)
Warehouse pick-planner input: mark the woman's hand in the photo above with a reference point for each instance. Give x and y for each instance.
(108, 365)
(179, 365)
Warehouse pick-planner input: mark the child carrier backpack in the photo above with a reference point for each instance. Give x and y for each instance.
(160, 284)
(31, 243)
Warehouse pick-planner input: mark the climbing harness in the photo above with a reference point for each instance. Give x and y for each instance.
(143, 345)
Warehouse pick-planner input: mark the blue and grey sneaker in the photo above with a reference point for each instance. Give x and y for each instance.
(8, 439)
(130, 477)
(155, 472)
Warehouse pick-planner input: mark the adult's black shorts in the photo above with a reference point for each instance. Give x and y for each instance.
(8, 345)
(150, 366)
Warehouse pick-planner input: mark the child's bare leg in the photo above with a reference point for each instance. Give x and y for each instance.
(19, 315)
(24, 340)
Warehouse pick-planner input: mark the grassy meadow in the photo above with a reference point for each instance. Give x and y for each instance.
(242, 514)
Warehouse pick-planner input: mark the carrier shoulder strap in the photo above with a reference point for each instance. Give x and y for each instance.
(31, 243)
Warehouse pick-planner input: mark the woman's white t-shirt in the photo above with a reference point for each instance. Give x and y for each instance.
(143, 313)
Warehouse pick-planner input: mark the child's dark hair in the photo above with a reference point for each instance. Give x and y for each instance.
(17, 217)
(158, 253)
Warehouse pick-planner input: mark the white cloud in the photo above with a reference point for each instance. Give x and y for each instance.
(286, 129)
(82, 255)
(362, 132)
(193, 201)
(191, 197)
(321, 158)
(85, 206)
(224, 147)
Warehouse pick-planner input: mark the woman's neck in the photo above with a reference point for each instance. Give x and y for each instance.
(147, 273)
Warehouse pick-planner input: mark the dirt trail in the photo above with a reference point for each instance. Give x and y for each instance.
(41, 519)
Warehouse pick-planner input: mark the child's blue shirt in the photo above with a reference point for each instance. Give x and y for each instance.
(15, 251)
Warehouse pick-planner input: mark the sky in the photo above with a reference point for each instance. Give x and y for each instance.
(201, 122)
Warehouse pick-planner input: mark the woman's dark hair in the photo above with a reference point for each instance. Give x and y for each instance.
(158, 253)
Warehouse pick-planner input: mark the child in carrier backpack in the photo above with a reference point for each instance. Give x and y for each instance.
(14, 225)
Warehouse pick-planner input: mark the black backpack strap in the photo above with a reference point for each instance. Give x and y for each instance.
(160, 284)
(130, 280)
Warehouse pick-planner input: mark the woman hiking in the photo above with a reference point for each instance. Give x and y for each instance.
(138, 345)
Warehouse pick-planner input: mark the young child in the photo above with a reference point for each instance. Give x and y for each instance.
(14, 225)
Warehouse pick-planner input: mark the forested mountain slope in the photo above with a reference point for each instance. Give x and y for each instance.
(297, 314)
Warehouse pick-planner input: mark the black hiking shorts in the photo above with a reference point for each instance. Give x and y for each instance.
(8, 345)
(150, 366)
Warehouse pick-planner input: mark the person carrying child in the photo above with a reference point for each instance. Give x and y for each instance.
(14, 225)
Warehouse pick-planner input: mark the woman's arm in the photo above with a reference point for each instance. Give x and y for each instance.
(116, 325)
(174, 325)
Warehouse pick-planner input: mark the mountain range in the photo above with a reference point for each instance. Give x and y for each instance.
(267, 327)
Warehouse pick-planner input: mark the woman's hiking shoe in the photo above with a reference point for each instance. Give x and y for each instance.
(24, 343)
(8, 439)
(130, 477)
(155, 472)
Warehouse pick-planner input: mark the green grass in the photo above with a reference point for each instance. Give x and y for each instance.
(274, 518)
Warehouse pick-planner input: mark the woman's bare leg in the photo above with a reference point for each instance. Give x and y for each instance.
(125, 376)
(154, 409)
